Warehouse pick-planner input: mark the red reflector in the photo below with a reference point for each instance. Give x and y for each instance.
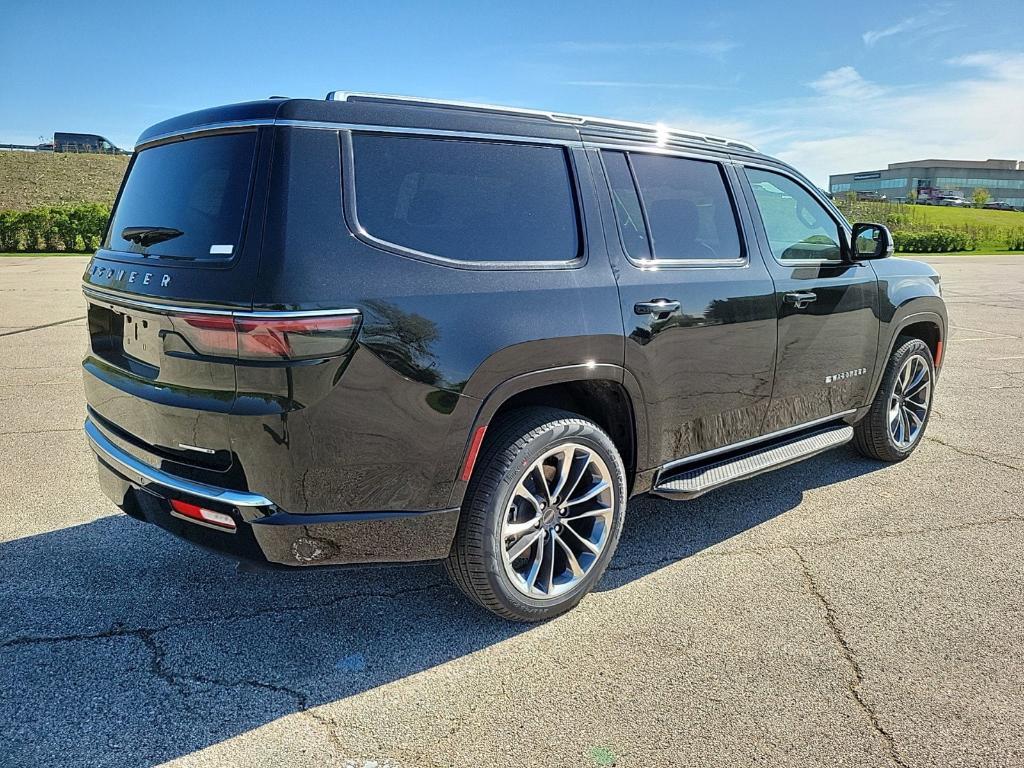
(196, 512)
(474, 449)
(938, 353)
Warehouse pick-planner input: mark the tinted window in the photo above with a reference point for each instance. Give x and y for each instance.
(797, 225)
(627, 206)
(199, 187)
(688, 208)
(466, 200)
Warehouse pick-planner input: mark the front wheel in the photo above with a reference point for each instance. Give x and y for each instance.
(894, 426)
(541, 517)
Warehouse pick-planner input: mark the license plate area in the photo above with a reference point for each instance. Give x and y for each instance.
(141, 339)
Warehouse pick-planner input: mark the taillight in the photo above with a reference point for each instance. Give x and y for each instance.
(273, 336)
(195, 512)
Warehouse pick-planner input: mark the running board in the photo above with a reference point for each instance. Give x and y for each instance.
(689, 482)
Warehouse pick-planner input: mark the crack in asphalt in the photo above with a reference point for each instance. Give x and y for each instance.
(857, 680)
(118, 631)
(965, 452)
(44, 325)
(223, 618)
(821, 543)
(41, 431)
(163, 671)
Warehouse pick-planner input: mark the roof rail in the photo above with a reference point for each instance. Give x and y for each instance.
(662, 132)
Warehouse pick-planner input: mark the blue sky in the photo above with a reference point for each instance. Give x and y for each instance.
(828, 86)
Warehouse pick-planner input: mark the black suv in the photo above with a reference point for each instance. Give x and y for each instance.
(372, 329)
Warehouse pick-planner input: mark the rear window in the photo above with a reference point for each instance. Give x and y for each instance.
(466, 200)
(197, 187)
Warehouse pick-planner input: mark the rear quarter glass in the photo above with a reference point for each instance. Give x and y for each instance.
(199, 187)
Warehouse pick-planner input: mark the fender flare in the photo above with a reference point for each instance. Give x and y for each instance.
(524, 382)
(906, 315)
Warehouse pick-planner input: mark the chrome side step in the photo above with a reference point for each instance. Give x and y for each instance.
(689, 482)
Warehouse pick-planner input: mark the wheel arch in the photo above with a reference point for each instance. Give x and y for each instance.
(917, 320)
(605, 393)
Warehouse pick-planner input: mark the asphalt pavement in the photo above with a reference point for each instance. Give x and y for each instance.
(839, 612)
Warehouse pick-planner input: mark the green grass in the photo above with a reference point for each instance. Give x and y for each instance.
(990, 231)
(954, 217)
(32, 179)
(991, 252)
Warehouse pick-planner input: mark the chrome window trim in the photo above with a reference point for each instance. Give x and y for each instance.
(438, 132)
(654, 262)
(714, 151)
(317, 125)
(351, 212)
(225, 126)
(752, 441)
(117, 300)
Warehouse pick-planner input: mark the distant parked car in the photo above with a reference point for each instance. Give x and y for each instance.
(998, 205)
(85, 142)
(952, 201)
(870, 196)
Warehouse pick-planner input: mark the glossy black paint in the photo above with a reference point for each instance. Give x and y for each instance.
(384, 429)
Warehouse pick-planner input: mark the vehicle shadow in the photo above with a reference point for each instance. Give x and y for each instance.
(121, 645)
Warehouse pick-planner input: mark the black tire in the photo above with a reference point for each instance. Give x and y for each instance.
(871, 435)
(475, 564)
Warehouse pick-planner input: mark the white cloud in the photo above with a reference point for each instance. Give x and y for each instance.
(851, 124)
(845, 82)
(872, 36)
(924, 24)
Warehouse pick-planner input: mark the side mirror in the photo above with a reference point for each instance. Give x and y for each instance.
(872, 241)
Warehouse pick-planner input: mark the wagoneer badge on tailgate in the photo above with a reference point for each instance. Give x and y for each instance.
(134, 276)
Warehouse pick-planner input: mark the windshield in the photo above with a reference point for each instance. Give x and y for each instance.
(197, 189)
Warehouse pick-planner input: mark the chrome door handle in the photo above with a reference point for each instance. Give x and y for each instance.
(656, 307)
(800, 299)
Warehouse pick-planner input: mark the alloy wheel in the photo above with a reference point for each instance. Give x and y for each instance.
(558, 521)
(909, 402)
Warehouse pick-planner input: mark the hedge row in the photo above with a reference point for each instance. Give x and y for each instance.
(54, 228)
(934, 241)
(1015, 239)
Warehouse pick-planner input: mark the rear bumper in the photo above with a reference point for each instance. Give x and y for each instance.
(265, 533)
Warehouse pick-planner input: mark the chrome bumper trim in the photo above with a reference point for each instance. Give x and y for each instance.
(143, 474)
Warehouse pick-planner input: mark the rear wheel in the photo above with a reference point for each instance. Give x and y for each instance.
(899, 413)
(541, 517)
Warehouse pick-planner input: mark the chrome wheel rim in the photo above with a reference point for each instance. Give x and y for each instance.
(909, 402)
(558, 521)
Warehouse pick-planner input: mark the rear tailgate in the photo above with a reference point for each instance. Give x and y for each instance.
(182, 245)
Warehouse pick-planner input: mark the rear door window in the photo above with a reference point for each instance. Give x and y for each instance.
(198, 188)
(628, 215)
(689, 211)
(471, 201)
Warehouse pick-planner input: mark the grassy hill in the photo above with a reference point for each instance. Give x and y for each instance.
(980, 230)
(31, 179)
(977, 217)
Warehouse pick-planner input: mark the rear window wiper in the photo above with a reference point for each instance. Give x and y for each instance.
(146, 236)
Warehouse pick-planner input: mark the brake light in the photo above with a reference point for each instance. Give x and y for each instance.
(195, 512)
(269, 337)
